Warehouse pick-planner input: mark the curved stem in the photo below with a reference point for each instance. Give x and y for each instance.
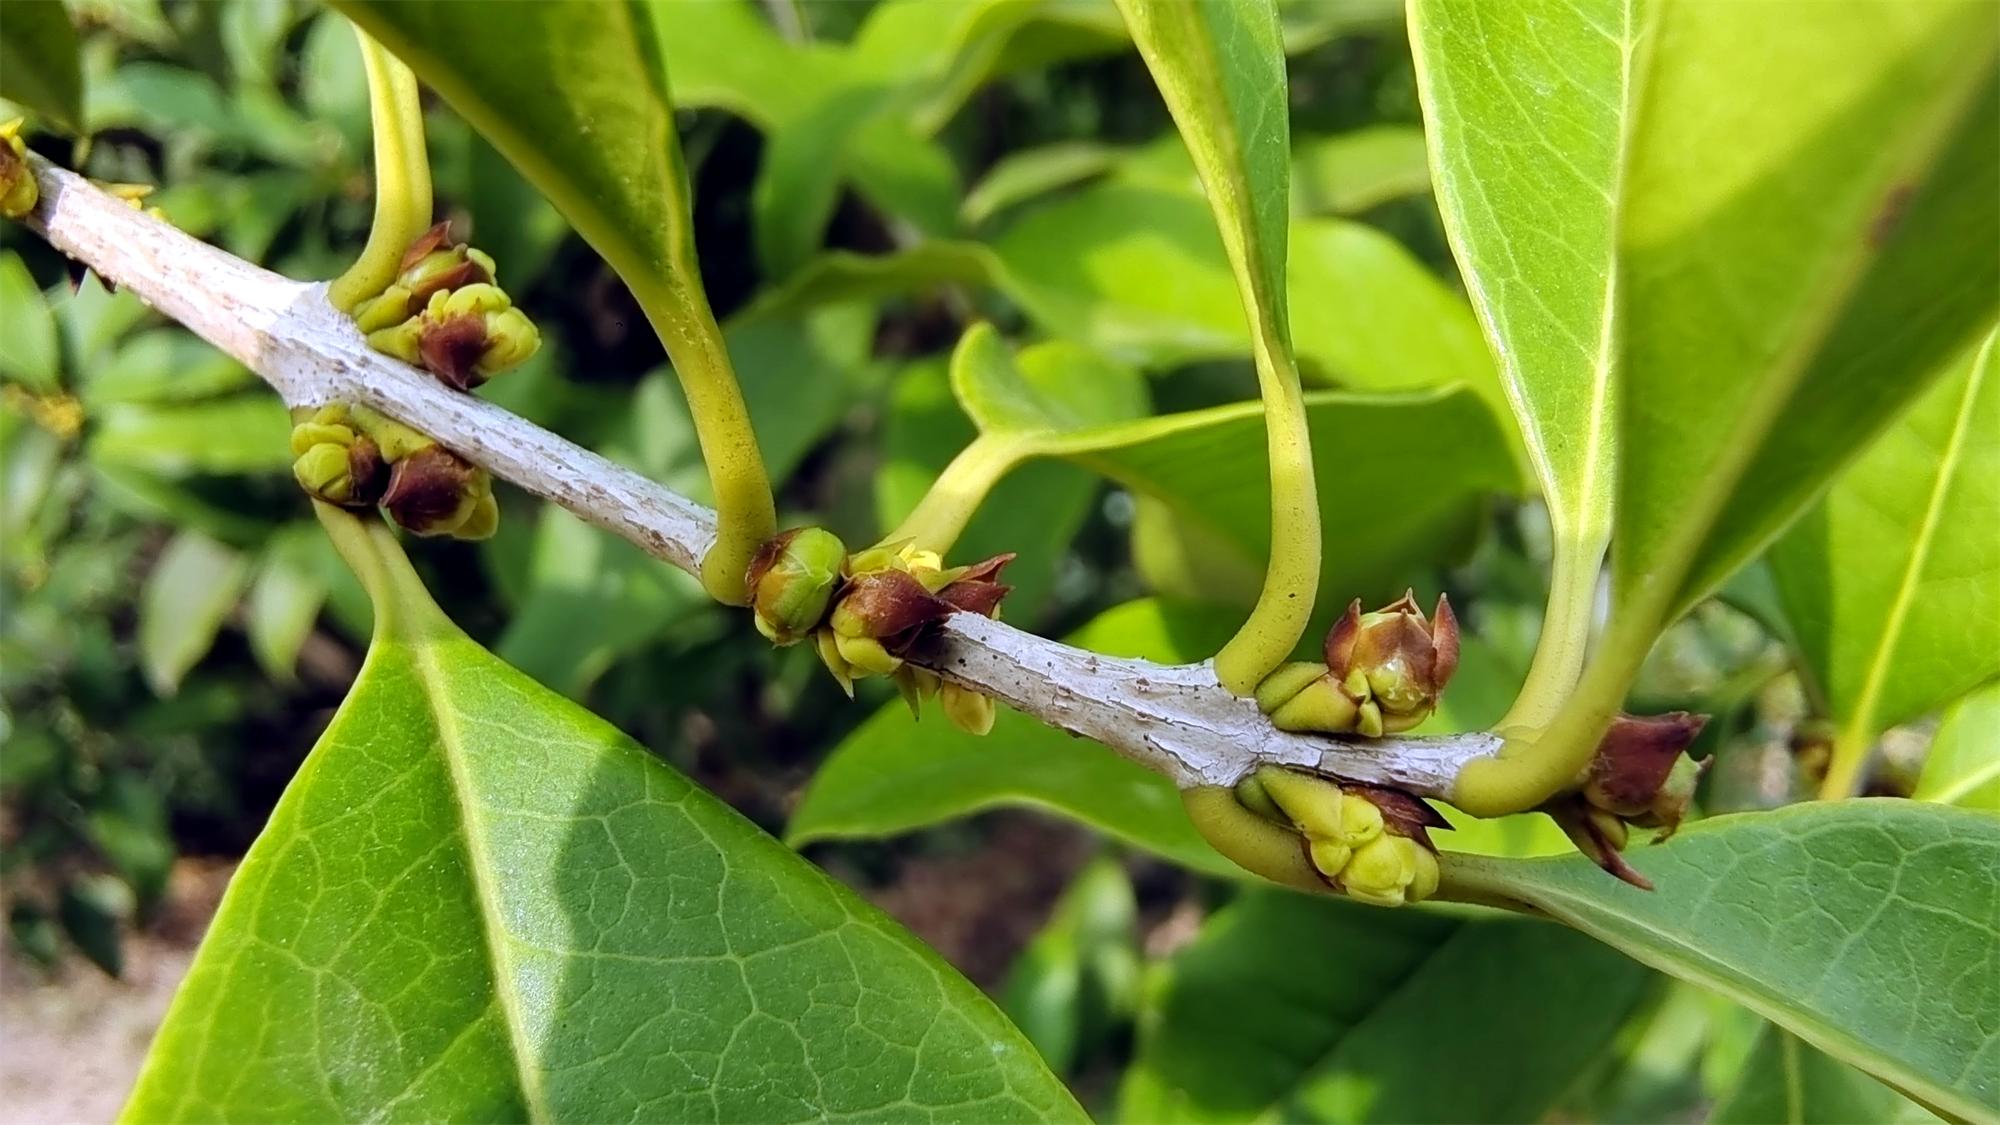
(1565, 639)
(745, 513)
(940, 517)
(1291, 578)
(402, 177)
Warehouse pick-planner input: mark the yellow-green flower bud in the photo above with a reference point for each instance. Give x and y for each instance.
(18, 193)
(434, 491)
(464, 336)
(828, 647)
(866, 656)
(484, 519)
(1310, 802)
(1289, 680)
(1384, 870)
(916, 685)
(791, 581)
(968, 710)
(1395, 659)
(1323, 706)
(1251, 794)
(1329, 856)
(336, 463)
(385, 310)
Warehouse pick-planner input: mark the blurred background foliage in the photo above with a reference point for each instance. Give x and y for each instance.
(870, 179)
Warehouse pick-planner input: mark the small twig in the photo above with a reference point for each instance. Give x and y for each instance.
(1175, 719)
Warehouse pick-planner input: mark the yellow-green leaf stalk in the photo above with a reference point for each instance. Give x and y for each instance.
(402, 177)
(940, 517)
(1183, 47)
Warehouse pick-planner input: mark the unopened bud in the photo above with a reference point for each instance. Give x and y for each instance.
(828, 647)
(335, 462)
(866, 656)
(968, 710)
(484, 519)
(792, 579)
(916, 685)
(1635, 760)
(1598, 834)
(434, 491)
(1674, 798)
(1401, 657)
(348, 475)
(463, 336)
(1390, 871)
(18, 193)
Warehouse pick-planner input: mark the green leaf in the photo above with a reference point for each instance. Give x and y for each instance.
(1138, 272)
(1037, 509)
(1210, 469)
(1081, 972)
(895, 773)
(244, 433)
(28, 352)
(1528, 108)
(576, 98)
(38, 62)
(1352, 172)
(1026, 174)
(284, 601)
(1892, 582)
(1865, 927)
(186, 598)
(1295, 1008)
(1786, 1080)
(1963, 767)
(490, 905)
(1807, 220)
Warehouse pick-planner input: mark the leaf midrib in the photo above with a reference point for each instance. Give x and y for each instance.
(1861, 722)
(479, 865)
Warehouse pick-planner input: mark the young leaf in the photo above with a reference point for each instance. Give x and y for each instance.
(192, 587)
(490, 905)
(1963, 767)
(1349, 173)
(28, 353)
(1529, 108)
(1209, 466)
(1294, 1008)
(1081, 973)
(38, 62)
(1892, 582)
(575, 96)
(1786, 1080)
(1221, 69)
(1851, 924)
(1138, 271)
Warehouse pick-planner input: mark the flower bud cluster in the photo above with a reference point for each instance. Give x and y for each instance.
(864, 611)
(18, 193)
(444, 313)
(1640, 776)
(354, 457)
(1369, 843)
(1382, 673)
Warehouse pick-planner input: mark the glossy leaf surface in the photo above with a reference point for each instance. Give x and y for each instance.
(38, 61)
(1853, 924)
(1529, 106)
(1807, 219)
(1295, 1008)
(1892, 582)
(482, 903)
(1963, 767)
